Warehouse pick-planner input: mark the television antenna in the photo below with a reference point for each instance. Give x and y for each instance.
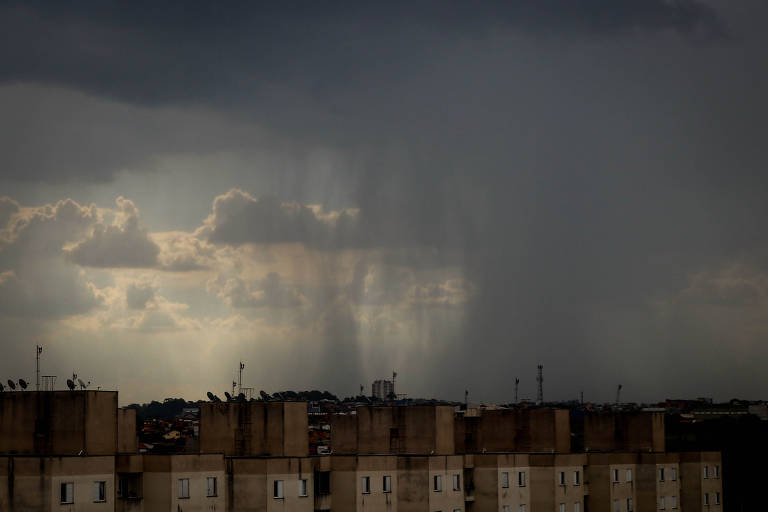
(38, 350)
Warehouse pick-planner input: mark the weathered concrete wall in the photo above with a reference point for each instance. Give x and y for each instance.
(254, 428)
(642, 431)
(413, 484)
(344, 433)
(527, 430)
(127, 441)
(58, 422)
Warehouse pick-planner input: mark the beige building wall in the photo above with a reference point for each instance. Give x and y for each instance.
(447, 498)
(161, 482)
(127, 440)
(701, 481)
(253, 484)
(570, 494)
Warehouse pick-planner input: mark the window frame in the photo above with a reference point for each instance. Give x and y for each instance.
(365, 485)
(706, 471)
(305, 484)
(577, 477)
(208, 480)
(562, 482)
(706, 499)
(615, 476)
(386, 484)
(630, 505)
(67, 493)
(278, 489)
(505, 480)
(661, 475)
(99, 490)
(662, 503)
(521, 479)
(628, 476)
(673, 474)
(182, 490)
(456, 481)
(437, 483)
(717, 498)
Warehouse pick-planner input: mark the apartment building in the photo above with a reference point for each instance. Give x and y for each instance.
(77, 451)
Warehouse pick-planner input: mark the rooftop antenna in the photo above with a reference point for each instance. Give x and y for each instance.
(38, 350)
(517, 383)
(618, 395)
(466, 399)
(582, 397)
(362, 393)
(394, 376)
(540, 381)
(233, 387)
(240, 381)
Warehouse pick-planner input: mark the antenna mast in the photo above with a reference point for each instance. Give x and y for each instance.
(517, 382)
(240, 382)
(38, 350)
(394, 376)
(618, 395)
(540, 381)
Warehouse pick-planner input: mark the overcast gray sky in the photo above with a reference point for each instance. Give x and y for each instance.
(330, 191)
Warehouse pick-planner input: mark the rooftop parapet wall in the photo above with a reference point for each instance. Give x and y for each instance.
(392, 430)
(506, 430)
(254, 428)
(641, 431)
(58, 422)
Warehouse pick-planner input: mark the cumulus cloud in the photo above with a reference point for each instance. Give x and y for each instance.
(240, 218)
(268, 292)
(36, 281)
(138, 295)
(122, 244)
(183, 252)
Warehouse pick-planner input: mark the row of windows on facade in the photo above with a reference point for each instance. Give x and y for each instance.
(663, 474)
(563, 507)
(67, 490)
(521, 478)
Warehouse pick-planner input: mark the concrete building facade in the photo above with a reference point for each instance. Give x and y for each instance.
(254, 457)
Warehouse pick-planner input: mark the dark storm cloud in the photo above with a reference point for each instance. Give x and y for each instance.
(206, 52)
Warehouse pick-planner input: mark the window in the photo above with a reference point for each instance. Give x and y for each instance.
(706, 498)
(616, 506)
(456, 482)
(505, 479)
(365, 484)
(629, 505)
(522, 507)
(437, 483)
(277, 489)
(505, 508)
(322, 483)
(576, 478)
(717, 471)
(562, 507)
(99, 492)
(629, 475)
(210, 486)
(706, 471)
(457, 510)
(562, 482)
(387, 483)
(183, 488)
(521, 479)
(661, 503)
(673, 502)
(661, 474)
(303, 487)
(615, 475)
(673, 474)
(67, 492)
(577, 507)
(717, 498)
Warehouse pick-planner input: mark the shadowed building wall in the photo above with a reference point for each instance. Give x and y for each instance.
(254, 428)
(58, 422)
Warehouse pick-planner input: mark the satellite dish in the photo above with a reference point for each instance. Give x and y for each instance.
(229, 397)
(241, 397)
(216, 399)
(11, 384)
(263, 395)
(70, 385)
(23, 383)
(82, 384)
(210, 396)
(2, 388)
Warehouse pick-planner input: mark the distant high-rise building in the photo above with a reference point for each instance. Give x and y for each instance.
(382, 389)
